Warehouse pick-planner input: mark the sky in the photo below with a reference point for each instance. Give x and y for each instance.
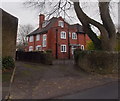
(30, 15)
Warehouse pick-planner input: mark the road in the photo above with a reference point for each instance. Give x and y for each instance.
(107, 91)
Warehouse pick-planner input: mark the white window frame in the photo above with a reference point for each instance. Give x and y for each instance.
(63, 48)
(37, 37)
(69, 34)
(74, 35)
(31, 39)
(61, 23)
(38, 46)
(63, 35)
(82, 47)
(30, 48)
(44, 44)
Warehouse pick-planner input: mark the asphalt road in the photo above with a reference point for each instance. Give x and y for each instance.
(107, 91)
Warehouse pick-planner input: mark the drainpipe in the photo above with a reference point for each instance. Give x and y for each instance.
(68, 44)
(34, 38)
(84, 40)
(56, 43)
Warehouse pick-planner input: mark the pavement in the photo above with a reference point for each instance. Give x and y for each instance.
(38, 81)
(106, 91)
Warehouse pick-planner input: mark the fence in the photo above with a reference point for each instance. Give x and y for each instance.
(38, 57)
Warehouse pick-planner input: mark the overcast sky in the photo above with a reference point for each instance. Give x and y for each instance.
(30, 16)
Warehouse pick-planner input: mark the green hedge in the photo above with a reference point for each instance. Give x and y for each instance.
(101, 62)
(8, 62)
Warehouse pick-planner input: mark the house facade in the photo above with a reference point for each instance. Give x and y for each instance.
(58, 36)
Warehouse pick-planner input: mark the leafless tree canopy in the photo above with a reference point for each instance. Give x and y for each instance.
(22, 33)
(106, 28)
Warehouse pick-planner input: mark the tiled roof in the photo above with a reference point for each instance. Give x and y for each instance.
(51, 22)
(45, 29)
(78, 26)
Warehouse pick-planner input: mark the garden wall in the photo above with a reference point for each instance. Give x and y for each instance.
(38, 57)
(98, 61)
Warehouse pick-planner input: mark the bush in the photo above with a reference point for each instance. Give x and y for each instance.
(49, 51)
(90, 45)
(8, 62)
(118, 42)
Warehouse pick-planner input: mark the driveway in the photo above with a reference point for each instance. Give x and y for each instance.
(38, 81)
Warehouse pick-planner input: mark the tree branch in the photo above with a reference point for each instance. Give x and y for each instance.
(106, 18)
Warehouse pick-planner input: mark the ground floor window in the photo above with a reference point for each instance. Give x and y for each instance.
(82, 47)
(38, 48)
(63, 48)
(30, 48)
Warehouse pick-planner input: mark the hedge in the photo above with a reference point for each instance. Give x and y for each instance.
(98, 61)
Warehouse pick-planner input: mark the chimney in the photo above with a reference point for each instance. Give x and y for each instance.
(41, 20)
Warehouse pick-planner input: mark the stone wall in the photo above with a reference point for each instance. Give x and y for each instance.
(98, 61)
(9, 34)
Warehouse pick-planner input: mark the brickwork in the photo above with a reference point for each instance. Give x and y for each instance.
(54, 40)
(9, 33)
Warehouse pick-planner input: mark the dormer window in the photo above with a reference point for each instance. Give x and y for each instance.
(45, 23)
(61, 23)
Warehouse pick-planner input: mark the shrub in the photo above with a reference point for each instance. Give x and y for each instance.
(49, 51)
(90, 45)
(117, 48)
(8, 62)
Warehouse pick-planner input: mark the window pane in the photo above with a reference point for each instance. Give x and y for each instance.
(61, 23)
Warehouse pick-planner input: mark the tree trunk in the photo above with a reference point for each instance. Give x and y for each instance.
(108, 23)
(106, 42)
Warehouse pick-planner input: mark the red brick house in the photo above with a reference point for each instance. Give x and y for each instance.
(57, 35)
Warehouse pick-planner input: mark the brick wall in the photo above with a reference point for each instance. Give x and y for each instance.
(9, 33)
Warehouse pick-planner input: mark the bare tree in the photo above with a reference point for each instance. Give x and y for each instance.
(107, 30)
(23, 31)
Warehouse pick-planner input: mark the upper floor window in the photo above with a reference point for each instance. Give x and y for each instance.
(61, 23)
(63, 35)
(44, 40)
(37, 37)
(30, 48)
(31, 39)
(63, 48)
(74, 35)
